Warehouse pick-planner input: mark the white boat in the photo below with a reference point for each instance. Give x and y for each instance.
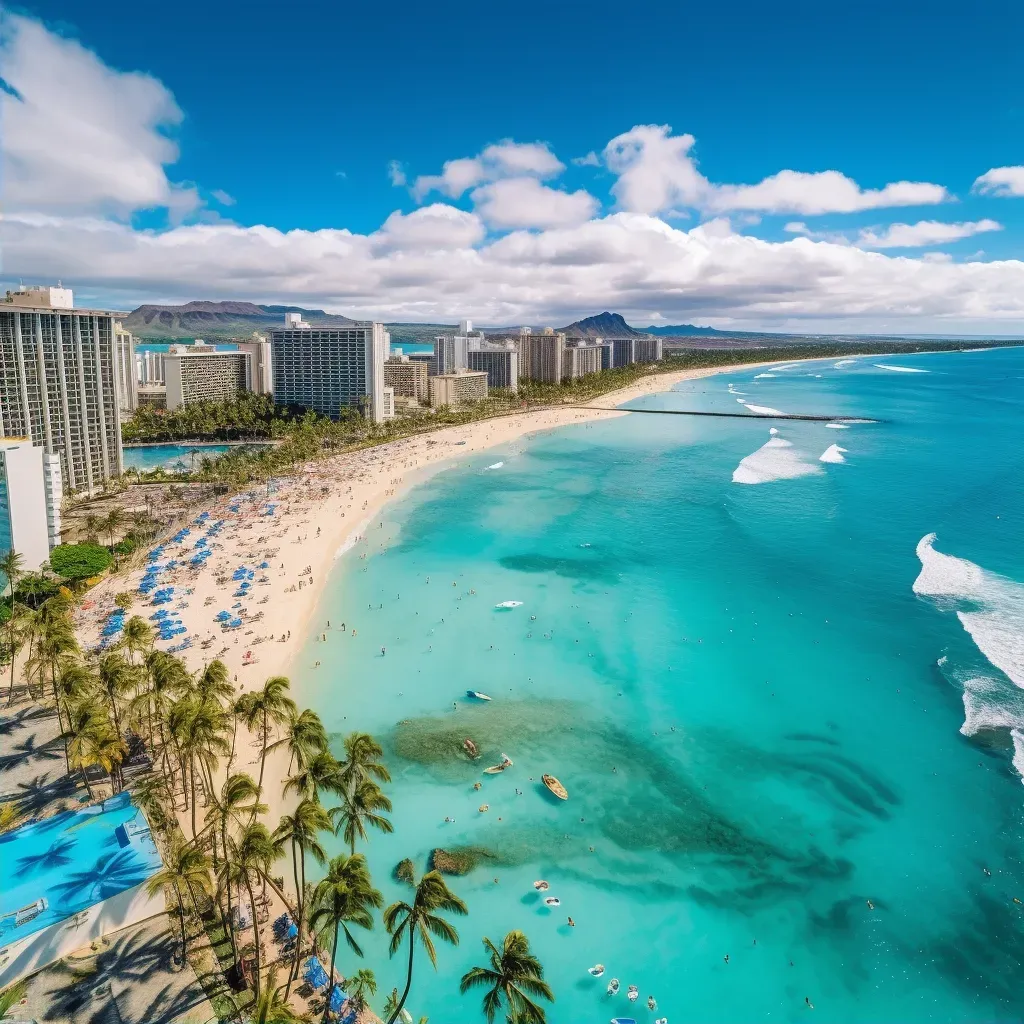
(496, 769)
(553, 901)
(477, 695)
(597, 970)
(508, 604)
(632, 993)
(541, 885)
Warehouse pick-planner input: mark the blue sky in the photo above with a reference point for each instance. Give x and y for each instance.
(289, 117)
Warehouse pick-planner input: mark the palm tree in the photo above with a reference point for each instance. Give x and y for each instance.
(12, 566)
(362, 984)
(301, 829)
(137, 637)
(514, 975)
(213, 682)
(252, 853)
(185, 867)
(419, 920)
(269, 706)
(91, 527)
(361, 760)
(344, 897)
(92, 741)
(117, 680)
(361, 807)
(10, 997)
(319, 774)
(269, 1007)
(113, 521)
(304, 736)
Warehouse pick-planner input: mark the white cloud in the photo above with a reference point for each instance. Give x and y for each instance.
(1001, 181)
(396, 173)
(656, 172)
(68, 196)
(222, 197)
(590, 160)
(526, 203)
(797, 227)
(430, 228)
(80, 135)
(505, 159)
(924, 232)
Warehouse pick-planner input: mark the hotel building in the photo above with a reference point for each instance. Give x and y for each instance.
(127, 381)
(456, 388)
(542, 356)
(649, 350)
(330, 369)
(579, 359)
(625, 351)
(200, 372)
(500, 364)
(407, 377)
(59, 376)
(30, 496)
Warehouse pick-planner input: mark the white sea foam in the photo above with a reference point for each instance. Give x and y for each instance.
(838, 426)
(785, 366)
(764, 410)
(773, 431)
(844, 362)
(833, 453)
(761, 376)
(497, 465)
(990, 705)
(900, 369)
(990, 607)
(1018, 752)
(774, 460)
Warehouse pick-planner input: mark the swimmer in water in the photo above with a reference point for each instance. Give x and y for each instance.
(572, 923)
(726, 958)
(807, 1000)
(871, 905)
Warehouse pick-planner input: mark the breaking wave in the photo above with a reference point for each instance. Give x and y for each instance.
(497, 465)
(833, 453)
(774, 460)
(761, 376)
(838, 426)
(844, 362)
(900, 369)
(990, 607)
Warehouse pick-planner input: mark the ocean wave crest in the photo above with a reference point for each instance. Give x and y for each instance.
(900, 369)
(989, 606)
(833, 453)
(774, 460)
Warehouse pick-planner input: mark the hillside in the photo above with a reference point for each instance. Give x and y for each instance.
(217, 321)
(689, 331)
(604, 325)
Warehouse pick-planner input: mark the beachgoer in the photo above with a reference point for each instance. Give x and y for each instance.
(572, 923)
(726, 958)
(807, 1000)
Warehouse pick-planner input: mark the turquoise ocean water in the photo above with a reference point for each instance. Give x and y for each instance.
(775, 748)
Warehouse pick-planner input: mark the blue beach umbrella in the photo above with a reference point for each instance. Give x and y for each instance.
(315, 973)
(338, 997)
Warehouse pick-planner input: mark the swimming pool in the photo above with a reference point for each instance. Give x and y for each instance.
(177, 457)
(58, 867)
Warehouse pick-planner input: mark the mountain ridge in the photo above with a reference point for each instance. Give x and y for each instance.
(217, 321)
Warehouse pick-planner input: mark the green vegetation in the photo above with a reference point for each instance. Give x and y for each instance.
(514, 975)
(79, 561)
(220, 856)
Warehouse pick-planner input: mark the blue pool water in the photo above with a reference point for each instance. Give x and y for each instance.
(172, 456)
(786, 716)
(72, 860)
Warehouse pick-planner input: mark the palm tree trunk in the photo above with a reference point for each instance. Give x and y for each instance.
(10, 647)
(85, 779)
(181, 920)
(192, 781)
(334, 954)
(263, 762)
(299, 906)
(408, 981)
(255, 930)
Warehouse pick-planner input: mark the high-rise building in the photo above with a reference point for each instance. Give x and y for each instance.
(607, 354)
(127, 380)
(149, 367)
(450, 354)
(59, 383)
(330, 369)
(500, 364)
(30, 495)
(199, 372)
(649, 350)
(625, 351)
(541, 356)
(579, 359)
(407, 377)
(456, 388)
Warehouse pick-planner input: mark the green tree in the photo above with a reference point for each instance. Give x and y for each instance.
(420, 920)
(186, 868)
(124, 600)
(265, 708)
(345, 897)
(12, 568)
(10, 997)
(360, 986)
(361, 806)
(301, 831)
(304, 736)
(113, 521)
(137, 637)
(319, 775)
(513, 977)
(270, 1007)
(79, 561)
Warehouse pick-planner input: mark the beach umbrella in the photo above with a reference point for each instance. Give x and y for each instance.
(315, 973)
(338, 996)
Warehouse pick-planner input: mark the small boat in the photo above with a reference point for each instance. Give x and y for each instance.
(484, 808)
(597, 970)
(623, 1020)
(495, 769)
(553, 901)
(632, 993)
(541, 886)
(613, 987)
(652, 1003)
(470, 747)
(477, 695)
(508, 604)
(555, 786)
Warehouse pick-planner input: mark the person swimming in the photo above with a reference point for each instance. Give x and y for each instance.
(652, 1003)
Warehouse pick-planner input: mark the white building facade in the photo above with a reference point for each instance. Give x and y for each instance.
(30, 495)
(59, 375)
